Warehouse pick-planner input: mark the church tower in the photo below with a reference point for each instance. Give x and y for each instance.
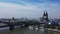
(45, 16)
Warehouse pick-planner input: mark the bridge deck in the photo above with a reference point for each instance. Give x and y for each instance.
(2, 24)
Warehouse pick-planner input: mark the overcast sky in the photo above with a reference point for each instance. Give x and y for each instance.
(29, 8)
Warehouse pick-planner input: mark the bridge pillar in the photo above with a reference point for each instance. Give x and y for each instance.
(26, 25)
(38, 26)
(11, 27)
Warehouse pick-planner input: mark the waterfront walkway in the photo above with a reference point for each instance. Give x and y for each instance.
(49, 29)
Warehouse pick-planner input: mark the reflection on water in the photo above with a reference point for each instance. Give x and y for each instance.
(24, 30)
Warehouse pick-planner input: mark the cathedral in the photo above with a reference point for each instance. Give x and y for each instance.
(46, 20)
(45, 16)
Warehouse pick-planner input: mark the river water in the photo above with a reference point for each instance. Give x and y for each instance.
(25, 30)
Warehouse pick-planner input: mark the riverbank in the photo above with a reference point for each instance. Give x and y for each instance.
(49, 29)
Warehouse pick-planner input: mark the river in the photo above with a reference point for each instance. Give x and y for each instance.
(25, 30)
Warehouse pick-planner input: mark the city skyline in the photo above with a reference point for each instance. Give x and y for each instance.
(29, 8)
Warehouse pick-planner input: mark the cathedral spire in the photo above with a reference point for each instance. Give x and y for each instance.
(46, 13)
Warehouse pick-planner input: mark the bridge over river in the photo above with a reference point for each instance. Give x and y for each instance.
(12, 23)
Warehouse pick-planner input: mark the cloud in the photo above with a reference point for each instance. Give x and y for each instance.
(10, 10)
(28, 8)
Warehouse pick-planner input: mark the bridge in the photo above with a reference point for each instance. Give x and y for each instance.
(14, 22)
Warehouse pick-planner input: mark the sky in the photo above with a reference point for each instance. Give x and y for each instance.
(29, 8)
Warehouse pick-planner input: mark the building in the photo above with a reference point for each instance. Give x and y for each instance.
(44, 17)
(46, 20)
